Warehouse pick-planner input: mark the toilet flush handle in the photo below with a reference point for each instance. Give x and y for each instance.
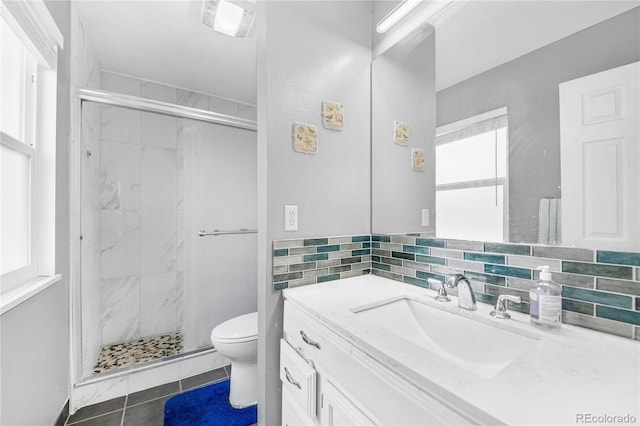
(308, 341)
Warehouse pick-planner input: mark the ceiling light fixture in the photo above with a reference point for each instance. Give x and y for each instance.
(396, 15)
(227, 17)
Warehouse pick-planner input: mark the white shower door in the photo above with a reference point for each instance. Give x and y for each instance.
(151, 286)
(220, 193)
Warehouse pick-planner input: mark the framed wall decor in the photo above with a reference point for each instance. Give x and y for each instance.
(417, 159)
(332, 115)
(400, 133)
(305, 138)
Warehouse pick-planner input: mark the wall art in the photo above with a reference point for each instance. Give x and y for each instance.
(400, 133)
(417, 159)
(332, 115)
(305, 138)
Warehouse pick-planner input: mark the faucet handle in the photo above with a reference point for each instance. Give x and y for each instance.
(442, 291)
(452, 280)
(500, 310)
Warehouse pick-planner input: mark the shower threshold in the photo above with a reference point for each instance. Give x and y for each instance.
(133, 352)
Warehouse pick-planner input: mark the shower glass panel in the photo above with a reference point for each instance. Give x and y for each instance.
(151, 287)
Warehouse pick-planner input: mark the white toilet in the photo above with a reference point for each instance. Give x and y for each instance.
(237, 339)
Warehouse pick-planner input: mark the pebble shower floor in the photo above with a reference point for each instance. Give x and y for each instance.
(134, 352)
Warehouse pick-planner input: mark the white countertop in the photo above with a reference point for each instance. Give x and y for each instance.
(573, 371)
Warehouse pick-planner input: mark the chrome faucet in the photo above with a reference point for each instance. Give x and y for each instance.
(500, 310)
(466, 298)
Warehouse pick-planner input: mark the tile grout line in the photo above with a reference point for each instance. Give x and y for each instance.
(91, 418)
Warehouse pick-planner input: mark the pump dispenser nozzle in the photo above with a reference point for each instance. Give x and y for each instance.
(545, 275)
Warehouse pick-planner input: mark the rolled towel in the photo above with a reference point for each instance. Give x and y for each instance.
(549, 221)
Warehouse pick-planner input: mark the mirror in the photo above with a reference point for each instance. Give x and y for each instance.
(527, 85)
(403, 122)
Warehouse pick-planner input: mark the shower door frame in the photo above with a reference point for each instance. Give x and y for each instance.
(103, 97)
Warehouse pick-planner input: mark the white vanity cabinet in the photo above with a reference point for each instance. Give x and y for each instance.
(350, 386)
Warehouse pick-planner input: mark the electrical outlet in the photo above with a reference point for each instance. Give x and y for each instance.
(290, 218)
(425, 217)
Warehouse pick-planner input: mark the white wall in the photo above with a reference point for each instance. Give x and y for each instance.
(34, 355)
(308, 52)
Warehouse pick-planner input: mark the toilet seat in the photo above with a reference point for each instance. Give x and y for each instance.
(237, 330)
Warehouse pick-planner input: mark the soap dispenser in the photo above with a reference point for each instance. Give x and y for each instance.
(546, 301)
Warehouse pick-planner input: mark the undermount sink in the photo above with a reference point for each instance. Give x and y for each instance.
(478, 347)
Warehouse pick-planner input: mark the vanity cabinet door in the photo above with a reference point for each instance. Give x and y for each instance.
(292, 413)
(337, 409)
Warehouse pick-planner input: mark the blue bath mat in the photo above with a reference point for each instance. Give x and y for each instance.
(207, 406)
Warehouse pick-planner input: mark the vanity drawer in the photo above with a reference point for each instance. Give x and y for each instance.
(313, 340)
(298, 378)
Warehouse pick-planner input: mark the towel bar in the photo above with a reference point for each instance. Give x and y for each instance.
(204, 233)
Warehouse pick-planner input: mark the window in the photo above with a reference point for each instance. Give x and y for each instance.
(472, 178)
(29, 40)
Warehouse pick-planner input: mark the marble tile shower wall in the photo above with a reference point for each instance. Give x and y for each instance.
(600, 289)
(142, 209)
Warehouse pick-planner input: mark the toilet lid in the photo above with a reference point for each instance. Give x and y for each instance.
(244, 327)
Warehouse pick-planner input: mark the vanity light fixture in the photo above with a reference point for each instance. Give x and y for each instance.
(399, 12)
(228, 17)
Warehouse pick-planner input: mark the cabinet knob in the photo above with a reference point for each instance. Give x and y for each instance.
(308, 341)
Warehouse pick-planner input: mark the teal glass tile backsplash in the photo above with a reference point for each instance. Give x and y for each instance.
(509, 271)
(601, 289)
(415, 249)
(600, 297)
(486, 258)
(598, 270)
(327, 249)
(619, 258)
(281, 252)
(307, 261)
(431, 259)
(430, 242)
(523, 250)
(631, 317)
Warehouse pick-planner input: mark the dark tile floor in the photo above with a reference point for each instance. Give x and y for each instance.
(144, 408)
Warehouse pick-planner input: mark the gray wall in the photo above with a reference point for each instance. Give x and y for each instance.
(35, 334)
(528, 87)
(308, 52)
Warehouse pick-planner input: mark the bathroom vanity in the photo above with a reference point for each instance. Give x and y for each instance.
(369, 350)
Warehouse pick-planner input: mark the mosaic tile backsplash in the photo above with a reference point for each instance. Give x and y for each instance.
(600, 289)
(316, 260)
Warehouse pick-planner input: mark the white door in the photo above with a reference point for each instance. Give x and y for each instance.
(599, 121)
